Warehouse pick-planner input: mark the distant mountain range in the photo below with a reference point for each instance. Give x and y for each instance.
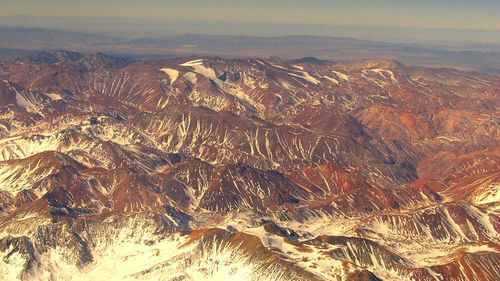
(480, 57)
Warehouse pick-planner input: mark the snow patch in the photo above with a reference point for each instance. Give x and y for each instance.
(303, 74)
(448, 138)
(54, 96)
(172, 74)
(191, 77)
(341, 75)
(128, 258)
(205, 71)
(334, 81)
(22, 101)
(480, 248)
(384, 72)
(268, 240)
(11, 265)
(192, 63)
(306, 76)
(198, 67)
(490, 194)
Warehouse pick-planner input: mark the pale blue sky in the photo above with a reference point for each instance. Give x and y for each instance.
(459, 14)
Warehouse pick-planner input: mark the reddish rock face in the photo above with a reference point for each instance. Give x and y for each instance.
(363, 171)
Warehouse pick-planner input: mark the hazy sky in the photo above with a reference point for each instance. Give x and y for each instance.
(460, 14)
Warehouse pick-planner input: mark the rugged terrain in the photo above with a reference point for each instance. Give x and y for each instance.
(246, 169)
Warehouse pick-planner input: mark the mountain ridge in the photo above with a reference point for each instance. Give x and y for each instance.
(464, 56)
(250, 168)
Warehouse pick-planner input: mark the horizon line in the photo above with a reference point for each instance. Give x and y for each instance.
(256, 23)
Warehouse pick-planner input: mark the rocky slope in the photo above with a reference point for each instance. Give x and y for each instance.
(257, 169)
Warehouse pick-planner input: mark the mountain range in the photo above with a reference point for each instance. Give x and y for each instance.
(219, 168)
(482, 57)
